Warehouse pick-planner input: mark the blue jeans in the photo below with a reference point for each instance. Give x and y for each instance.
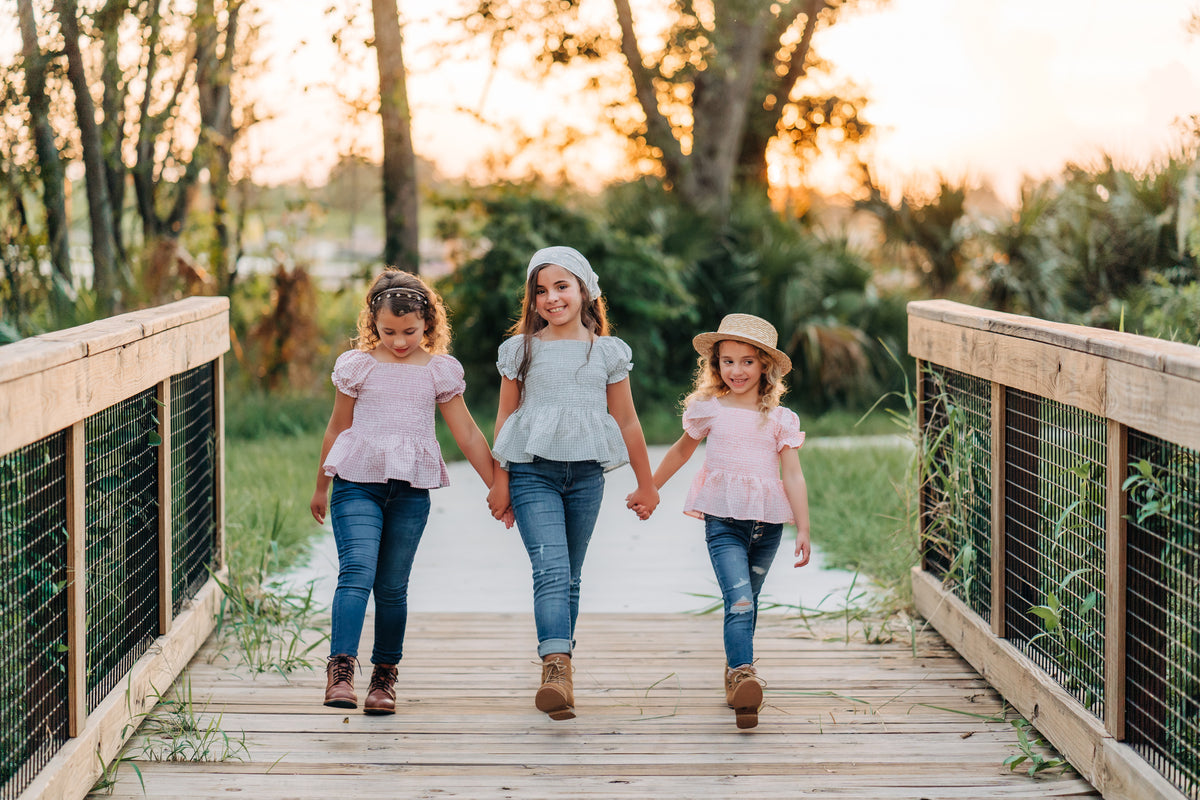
(741, 552)
(556, 504)
(377, 527)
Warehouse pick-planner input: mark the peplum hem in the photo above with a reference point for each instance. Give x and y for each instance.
(737, 496)
(541, 431)
(378, 459)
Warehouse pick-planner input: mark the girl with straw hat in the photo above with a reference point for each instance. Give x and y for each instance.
(751, 483)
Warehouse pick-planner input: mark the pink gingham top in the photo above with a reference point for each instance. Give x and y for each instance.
(740, 477)
(392, 435)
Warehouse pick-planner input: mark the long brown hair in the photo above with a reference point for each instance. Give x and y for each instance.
(420, 299)
(709, 384)
(593, 314)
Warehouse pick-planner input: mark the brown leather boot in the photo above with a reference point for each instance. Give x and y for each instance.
(381, 695)
(556, 696)
(743, 693)
(339, 682)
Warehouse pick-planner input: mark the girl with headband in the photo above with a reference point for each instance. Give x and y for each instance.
(382, 457)
(566, 416)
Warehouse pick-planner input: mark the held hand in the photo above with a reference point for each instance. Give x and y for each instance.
(641, 511)
(319, 506)
(643, 501)
(803, 548)
(498, 500)
(508, 518)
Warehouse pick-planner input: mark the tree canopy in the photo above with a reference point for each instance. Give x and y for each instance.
(708, 93)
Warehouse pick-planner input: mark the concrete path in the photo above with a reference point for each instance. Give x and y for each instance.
(469, 562)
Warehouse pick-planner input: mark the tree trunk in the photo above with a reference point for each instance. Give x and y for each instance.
(50, 167)
(401, 234)
(213, 76)
(721, 101)
(105, 281)
(108, 24)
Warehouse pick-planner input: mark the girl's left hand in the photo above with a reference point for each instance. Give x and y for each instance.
(803, 548)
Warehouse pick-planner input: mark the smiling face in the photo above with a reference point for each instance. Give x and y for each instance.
(741, 369)
(558, 296)
(400, 337)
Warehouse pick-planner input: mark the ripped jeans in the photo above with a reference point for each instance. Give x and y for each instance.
(741, 552)
(556, 504)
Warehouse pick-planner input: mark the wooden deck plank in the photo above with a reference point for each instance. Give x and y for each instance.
(907, 719)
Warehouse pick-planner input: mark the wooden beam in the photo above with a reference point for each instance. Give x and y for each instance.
(1069, 377)
(40, 403)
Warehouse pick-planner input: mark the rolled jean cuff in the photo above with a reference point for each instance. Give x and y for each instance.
(554, 646)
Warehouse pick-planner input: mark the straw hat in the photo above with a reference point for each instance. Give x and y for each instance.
(745, 328)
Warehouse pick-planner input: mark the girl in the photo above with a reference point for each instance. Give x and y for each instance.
(565, 417)
(738, 493)
(382, 456)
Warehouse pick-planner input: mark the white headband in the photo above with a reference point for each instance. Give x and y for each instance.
(572, 261)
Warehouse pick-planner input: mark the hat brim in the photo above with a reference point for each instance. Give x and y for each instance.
(705, 342)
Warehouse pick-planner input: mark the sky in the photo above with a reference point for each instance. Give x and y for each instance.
(995, 90)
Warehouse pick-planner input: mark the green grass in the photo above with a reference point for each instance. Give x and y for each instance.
(858, 512)
(265, 477)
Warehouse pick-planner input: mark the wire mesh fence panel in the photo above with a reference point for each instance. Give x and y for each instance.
(957, 489)
(193, 481)
(121, 514)
(1162, 651)
(33, 610)
(1055, 518)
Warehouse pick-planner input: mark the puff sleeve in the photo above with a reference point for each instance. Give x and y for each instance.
(448, 381)
(788, 433)
(508, 357)
(618, 358)
(698, 417)
(351, 369)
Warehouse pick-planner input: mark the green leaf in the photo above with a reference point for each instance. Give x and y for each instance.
(153, 439)
(1089, 603)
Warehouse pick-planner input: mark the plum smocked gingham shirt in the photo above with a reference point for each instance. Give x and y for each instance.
(392, 435)
(563, 414)
(740, 477)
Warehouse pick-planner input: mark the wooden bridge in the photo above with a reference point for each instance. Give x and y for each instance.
(852, 720)
(1065, 588)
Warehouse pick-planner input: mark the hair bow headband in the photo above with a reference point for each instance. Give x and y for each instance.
(401, 291)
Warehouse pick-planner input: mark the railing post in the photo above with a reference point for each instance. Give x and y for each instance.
(165, 554)
(922, 494)
(76, 580)
(1114, 582)
(219, 460)
(998, 484)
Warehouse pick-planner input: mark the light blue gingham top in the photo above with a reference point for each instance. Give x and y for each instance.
(563, 414)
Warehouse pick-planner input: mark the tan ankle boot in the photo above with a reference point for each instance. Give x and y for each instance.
(743, 693)
(556, 695)
(339, 682)
(381, 695)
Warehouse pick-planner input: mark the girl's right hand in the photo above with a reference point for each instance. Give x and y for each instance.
(499, 502)
(319, 506)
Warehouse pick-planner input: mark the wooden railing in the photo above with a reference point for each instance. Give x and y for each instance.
(111, 532)
(1061, 533)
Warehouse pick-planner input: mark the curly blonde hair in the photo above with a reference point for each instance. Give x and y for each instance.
(419, 299)
(709, 384)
